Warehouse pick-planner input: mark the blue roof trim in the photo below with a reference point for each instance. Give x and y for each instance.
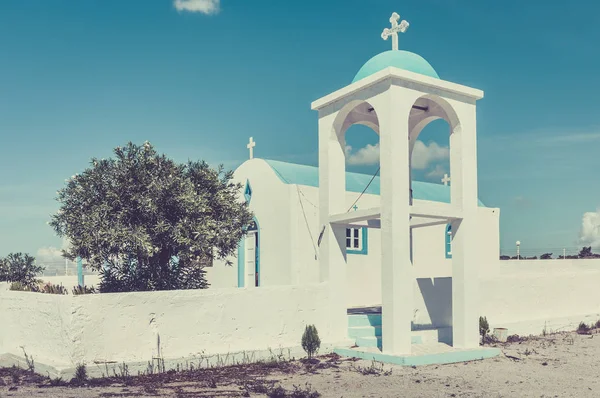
(299, 174)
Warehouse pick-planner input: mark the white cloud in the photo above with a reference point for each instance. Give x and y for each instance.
(436, 173)
(367, 155)
(203, 6)
(590, 229)
(423, 155)
(52, 260)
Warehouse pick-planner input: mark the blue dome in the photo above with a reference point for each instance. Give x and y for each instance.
(399, 59)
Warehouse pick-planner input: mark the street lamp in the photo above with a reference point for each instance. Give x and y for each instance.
(518, 250)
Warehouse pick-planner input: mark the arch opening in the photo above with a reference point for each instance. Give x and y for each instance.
(432, 121)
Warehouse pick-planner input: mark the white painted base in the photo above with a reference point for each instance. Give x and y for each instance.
(226, 359)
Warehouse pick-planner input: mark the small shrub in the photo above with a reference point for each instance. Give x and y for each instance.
(20, 287)
(515, 338)
(376, 369)
(50, 288)
(306, 392)
(489, 339)
(57, 382)
(81, 375)
(484, 326)
(583, 328)
(311, 341)
(277, 392)
(79, 290)
(29, 361)
(597, 325)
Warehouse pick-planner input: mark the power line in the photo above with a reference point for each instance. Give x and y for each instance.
(312, 240)
(364, 190)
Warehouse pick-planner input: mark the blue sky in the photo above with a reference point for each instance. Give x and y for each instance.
(78, 78)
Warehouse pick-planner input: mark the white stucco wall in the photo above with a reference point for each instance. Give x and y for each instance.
(271, 206)
(525, 296)
(38, 323)
(364, 271)
(61, 331)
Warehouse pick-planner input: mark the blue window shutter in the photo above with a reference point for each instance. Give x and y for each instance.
(448, 241)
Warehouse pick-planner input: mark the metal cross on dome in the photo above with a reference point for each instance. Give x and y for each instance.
(387, 32)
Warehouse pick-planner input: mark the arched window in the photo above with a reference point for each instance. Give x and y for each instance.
(448, 241)
(248, 192)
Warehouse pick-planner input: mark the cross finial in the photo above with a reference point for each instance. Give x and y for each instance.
(387, 32)
(446, 179)
(250, 146)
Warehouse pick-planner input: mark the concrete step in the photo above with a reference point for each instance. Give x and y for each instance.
(364, 331)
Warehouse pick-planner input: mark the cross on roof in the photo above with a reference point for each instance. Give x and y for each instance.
(446, 179)
(387, 32)
(250, 146)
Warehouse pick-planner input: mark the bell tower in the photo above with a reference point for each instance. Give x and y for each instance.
(397, 93)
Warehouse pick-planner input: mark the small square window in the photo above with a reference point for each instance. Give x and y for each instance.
(354, 239)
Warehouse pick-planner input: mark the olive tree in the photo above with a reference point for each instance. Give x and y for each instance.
(146, 222)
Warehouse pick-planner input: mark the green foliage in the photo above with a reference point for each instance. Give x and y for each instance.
(20, 268)
(546, 256)
(484, 326)
(29, 361)
(50, 288)
(586, 252)
(79, 290)
(148, 223)
(277, 392)
(57, 382)
(311, 341)
(81, 375)
(376, 369)
(583, 328)
(19, 287)
(304, 392)
(297, 392)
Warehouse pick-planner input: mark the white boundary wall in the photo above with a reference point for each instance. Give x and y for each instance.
(529, 295)
(62, 331)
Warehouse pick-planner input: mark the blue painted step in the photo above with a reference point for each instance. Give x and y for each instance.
(364, 331)
(359, 320)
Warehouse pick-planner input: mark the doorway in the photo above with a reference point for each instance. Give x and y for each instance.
(249, 258)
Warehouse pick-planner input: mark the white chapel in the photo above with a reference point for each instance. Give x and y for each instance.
(410, 248)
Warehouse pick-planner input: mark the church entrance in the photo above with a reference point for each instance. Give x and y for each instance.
(251, 256)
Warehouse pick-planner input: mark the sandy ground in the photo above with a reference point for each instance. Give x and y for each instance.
(560, 365)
